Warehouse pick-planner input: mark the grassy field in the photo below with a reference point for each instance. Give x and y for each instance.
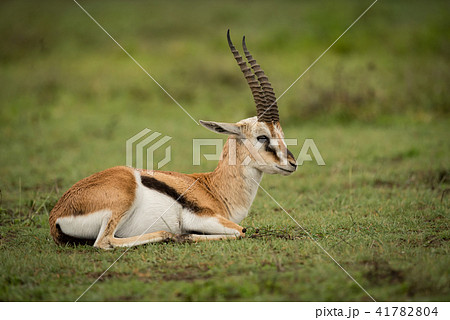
(377, 106)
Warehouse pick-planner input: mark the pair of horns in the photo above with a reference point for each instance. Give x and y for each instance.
(262, 91)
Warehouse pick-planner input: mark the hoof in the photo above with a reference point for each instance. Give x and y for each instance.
(105, 245)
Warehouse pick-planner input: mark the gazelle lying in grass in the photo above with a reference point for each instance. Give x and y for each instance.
(122, 206)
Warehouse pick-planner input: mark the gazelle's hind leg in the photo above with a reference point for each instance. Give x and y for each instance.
(159, 236)
(107, 240)
(204, 237)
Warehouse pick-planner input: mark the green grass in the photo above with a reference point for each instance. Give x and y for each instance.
(376, 105)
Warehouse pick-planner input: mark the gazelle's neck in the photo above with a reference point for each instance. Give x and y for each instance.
(234, 182)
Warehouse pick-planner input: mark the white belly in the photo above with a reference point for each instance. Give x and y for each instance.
(151, 212)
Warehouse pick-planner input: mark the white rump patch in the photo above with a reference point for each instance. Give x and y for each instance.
(84, 226)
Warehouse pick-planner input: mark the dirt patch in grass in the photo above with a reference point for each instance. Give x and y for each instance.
(438, 223)
(270, 232)
(7, 237)
(433, 179)
(187, 273)
(380, 271)
(431, 240)
(435, 241)
(380, 183)
(107, 275)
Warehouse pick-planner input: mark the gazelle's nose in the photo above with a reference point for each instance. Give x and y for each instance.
(291, 159)
(292, 163)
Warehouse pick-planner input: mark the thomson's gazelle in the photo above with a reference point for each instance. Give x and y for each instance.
(122, 206)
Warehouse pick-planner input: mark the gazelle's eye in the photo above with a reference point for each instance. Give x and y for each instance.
(262, 139)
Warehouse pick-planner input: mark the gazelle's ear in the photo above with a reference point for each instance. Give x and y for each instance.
(222, 127)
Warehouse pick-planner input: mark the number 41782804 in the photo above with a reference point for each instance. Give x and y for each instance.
(407, 311)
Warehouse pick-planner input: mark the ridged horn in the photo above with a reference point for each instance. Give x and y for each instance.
(254, 84)
(271, 108)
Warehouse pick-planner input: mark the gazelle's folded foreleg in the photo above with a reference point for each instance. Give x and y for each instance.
(211, 228)
(107, 240)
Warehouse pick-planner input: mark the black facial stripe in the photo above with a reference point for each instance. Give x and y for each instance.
(163, 188)
(271, 150)
(289, 153)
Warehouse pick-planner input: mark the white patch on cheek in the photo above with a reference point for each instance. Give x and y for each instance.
(283, 157)
(284, 143)
(275, 143)
(285, 152)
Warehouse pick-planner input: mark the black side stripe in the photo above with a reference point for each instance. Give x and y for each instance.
(163, 188)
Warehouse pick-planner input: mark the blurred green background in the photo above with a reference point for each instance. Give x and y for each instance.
(376, 105)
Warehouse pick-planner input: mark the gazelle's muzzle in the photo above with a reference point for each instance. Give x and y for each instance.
(291, 159)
